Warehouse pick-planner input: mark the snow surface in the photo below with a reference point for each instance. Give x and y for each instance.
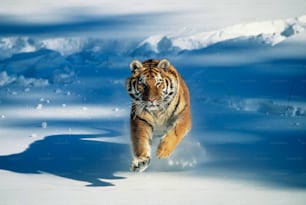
(64, 119)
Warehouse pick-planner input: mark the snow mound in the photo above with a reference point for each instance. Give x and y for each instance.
(268, 32)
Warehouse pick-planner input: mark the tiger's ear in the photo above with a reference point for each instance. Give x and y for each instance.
(135, 65)
(164, 64)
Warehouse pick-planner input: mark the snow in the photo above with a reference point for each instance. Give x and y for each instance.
(6, 79)
(267, 32)
(64, 118)
(133, 187)
(65, 46)
(67, 112)
(270, 32)
(208, 15)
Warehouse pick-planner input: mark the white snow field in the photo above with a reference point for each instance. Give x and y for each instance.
(64, 118)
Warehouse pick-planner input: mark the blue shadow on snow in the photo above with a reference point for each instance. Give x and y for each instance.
(73, 157)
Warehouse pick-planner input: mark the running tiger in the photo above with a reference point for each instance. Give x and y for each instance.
(160, 108)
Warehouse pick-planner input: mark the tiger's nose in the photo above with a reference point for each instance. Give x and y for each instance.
(151, 99)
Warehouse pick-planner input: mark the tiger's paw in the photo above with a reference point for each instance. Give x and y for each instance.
(140, 164)
(163, 149)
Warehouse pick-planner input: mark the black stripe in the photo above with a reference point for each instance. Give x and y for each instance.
(150, 72)
(150, 63)
(132, 95)
(176, 106)
(173, 73)
(167, 83)
(171, 82)
(128, 85)
(182, 109)
(175, 131)
(145, 121)
(146, 72)
(134, 85)
(153, 74)
(155, 71)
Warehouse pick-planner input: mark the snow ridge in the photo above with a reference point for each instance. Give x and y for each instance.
(269, 32)
(65, 46)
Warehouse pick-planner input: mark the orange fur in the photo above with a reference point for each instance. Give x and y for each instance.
(160, 106)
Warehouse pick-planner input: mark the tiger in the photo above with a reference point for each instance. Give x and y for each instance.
(160, 108)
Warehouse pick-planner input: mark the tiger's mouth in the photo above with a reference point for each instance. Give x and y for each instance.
(151, 106)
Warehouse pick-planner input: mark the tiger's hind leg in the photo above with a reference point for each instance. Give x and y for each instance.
(172, 138)
(141, 136)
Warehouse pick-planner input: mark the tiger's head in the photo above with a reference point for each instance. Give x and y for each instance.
(153, 84)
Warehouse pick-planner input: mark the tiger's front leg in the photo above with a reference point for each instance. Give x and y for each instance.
(141, 137)
(172, 138)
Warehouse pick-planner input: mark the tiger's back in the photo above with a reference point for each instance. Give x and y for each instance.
(160, 106)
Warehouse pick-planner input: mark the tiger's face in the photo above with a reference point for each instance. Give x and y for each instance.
(151, 86)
